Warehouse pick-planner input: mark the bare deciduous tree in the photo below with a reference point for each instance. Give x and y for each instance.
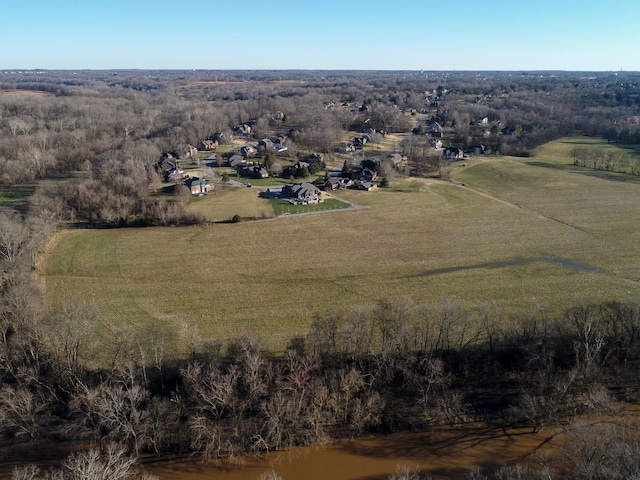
(20, 413)
(74, 331)
(405, 472)
(191, 337)
(112, 464)
(14, 238)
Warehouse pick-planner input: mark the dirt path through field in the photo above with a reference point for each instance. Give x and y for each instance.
(519, 207)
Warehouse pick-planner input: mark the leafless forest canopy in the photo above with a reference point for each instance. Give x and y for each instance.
(94, 139)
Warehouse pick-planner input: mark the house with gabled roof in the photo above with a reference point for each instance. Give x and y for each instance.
(207, 145)
(397, 159)
(266, 144)
(337, 183)
(187, 151)
(346, 147)
(236, 161)
(242, 130)
(166, 162)
(253, 171)
(453, 153)
(198, 186)
(248, 151)
(367, 175)
(302, 193)
(368, 186)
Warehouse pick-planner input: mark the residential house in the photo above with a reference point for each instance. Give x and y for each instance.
(280, 143)
(265, 145)
(337, 183)
(313, 158)
(167, 162)
(435, 143)
(274, 192)
(367, 175)
(187, 151)
(360, 142)
(302, 193)
(298, 169)
(253, 171)
(367, 186)
(174, 175)
(219, 137)
(397, 159)
(207, 145)
(248, 151)
(236, 161)
(453, 153)
(436, 130)
(198, 186)
(242, 130)
(346, 147)
(476, 150)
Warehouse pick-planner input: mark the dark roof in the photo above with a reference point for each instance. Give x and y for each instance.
(196, 182)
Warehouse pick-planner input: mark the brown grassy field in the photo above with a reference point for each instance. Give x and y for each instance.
(230, 201)
(519, 233)
(33, 93)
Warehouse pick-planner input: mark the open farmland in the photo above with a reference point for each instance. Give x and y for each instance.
(520, 232)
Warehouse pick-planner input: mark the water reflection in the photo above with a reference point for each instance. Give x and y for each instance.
(442, 452)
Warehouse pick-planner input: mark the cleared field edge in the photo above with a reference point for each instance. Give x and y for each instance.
(42, 260)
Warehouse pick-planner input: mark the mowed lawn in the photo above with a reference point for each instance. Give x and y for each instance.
(520, 232)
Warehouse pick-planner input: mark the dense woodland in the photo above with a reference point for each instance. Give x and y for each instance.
(394, 366)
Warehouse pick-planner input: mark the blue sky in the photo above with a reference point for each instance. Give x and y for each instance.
(325, 34)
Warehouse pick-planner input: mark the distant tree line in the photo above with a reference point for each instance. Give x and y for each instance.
(598, 159)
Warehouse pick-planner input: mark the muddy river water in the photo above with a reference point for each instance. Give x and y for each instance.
(440, 453)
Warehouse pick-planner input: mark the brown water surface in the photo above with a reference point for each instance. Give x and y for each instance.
(444, 452)
(439, 452)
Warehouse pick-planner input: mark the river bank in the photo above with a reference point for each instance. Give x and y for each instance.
(439, 452)
(442, 452)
